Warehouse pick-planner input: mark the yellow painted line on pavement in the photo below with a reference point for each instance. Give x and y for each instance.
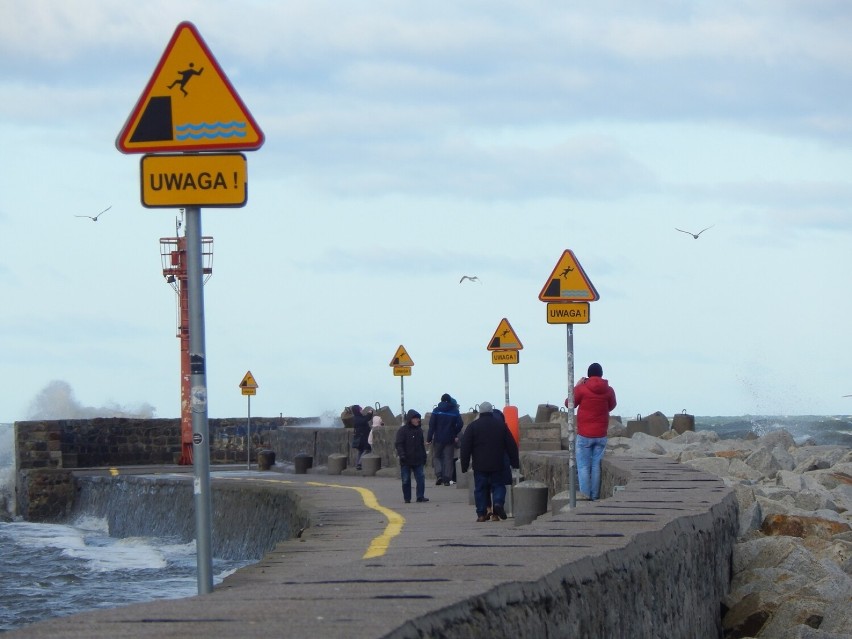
(380, 544)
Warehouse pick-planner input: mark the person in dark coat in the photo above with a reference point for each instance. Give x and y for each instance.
(445, 424)
(488, 441)
(411, 450)
(361, 426)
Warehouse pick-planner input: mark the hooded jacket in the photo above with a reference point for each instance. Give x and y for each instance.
(361, 427)
(445, 423)
(488, 440)
(594, 398)
(409, 442)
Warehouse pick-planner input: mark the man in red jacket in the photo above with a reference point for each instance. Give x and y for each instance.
(594, 398)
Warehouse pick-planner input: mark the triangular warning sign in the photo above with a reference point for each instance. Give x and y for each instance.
(568, 282)
(189, 104)
(401, 357)
(504, 338)
(248, 381)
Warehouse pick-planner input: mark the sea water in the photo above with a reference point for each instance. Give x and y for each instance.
(51, 570)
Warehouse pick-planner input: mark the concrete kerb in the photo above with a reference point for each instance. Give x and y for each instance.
(448, 576)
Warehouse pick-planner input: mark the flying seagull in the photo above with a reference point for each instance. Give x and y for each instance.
(472, 278)
(695, 235)
(95, 218)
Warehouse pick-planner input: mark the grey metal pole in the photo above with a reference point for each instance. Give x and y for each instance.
(402, 396)
(506, 381)
(572, 431)
(248, 433)
(198, 403)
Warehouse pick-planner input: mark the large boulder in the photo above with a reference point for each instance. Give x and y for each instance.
(801, 526)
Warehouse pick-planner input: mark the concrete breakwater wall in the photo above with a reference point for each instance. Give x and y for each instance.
(247, 520)
(663, 572)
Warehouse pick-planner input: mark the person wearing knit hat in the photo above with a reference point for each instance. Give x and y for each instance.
(489, 442)
(594, 398)
(411, 450)
(445, 424)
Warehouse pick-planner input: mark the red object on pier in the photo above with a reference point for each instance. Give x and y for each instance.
(510, 414)
(173, 258)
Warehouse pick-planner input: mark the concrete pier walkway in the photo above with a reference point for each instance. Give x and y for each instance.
(371, 566)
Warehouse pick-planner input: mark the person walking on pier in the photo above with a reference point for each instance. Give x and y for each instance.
(488, 441)
(361, 428)
(411, 450)
(445, 424)
(594, 398)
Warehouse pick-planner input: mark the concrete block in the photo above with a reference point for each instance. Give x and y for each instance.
(337, 463)
(530, 501)
(370, 464)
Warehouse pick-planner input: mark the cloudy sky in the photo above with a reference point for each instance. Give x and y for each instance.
(408, 144)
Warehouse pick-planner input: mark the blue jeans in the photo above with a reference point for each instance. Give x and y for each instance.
(488, 487)
(419, 477)
(590, 451)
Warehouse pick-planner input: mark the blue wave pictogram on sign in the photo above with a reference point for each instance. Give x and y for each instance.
(210, 130)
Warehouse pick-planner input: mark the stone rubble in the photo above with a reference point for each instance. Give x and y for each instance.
(792, 576)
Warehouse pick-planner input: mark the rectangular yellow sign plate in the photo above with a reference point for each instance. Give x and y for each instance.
(402, 371)
(505, 357)
(206, 179)
(567, 312)
(249, 391)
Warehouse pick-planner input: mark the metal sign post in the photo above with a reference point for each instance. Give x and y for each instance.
(505, 347)
(568, 291)
(248, 387)
(570, 426)
(178, 97)
(506, 382)
(198, 403)
(401, 363)
(248, 434)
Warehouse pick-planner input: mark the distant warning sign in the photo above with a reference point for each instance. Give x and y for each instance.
(568, 282)
(505, 357)
(189, 104)
(248, 386)
(505, 338)
(401, 358)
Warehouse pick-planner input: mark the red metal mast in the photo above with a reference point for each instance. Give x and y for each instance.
(173, 258)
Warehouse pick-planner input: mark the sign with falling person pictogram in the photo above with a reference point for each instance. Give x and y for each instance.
(568, 282)
(505, 338)
(189, 105)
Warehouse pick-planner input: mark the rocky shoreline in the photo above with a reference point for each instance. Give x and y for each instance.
(792, 565)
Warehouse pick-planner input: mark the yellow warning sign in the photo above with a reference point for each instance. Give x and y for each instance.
(189, 104)
(402, 371)
(505, 338)
(194, 179)
(505, 357)
(568, 282)
(248, 386)
(401, 358)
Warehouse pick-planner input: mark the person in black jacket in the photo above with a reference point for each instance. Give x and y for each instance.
(411, 450)
(361, 428)
(488, 440)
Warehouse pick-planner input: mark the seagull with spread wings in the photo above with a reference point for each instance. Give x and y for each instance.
(95, 218)
(472, 278)
(695, 235)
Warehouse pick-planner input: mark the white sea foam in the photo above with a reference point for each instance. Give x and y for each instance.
(131, 553)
